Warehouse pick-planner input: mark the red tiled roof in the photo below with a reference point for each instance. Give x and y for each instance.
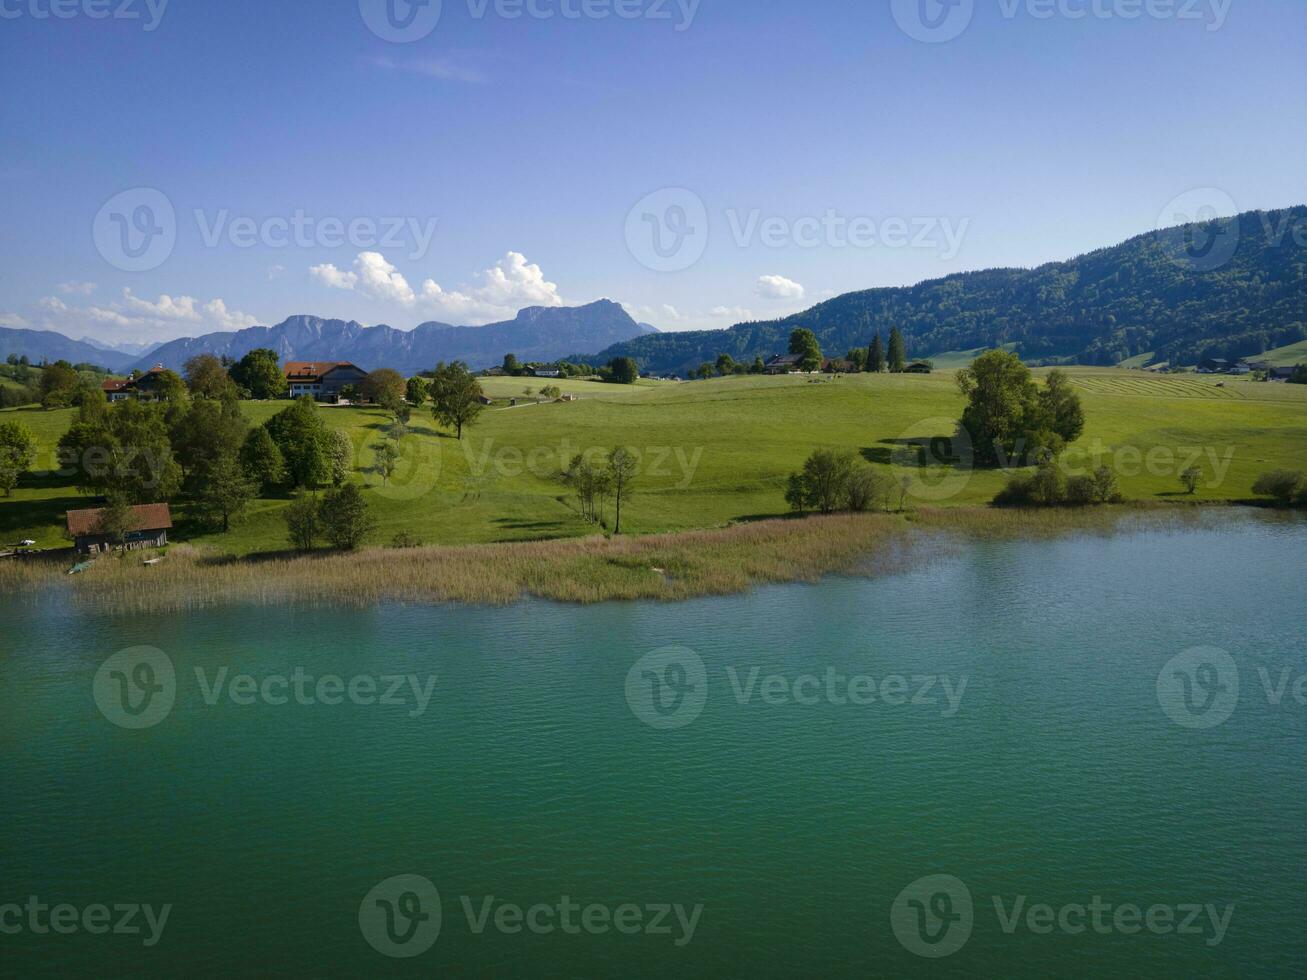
(114, 384)
(145, 517)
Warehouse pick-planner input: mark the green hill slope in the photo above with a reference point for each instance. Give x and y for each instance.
(1145, 295)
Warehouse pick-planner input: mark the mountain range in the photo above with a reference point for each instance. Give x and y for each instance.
(1228, 288)
(1179, 295)
(535, 334)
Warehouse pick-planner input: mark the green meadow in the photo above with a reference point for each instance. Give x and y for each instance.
(718, 452)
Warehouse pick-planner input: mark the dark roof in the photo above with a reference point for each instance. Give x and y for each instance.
(314, 370)
(783, 359)
(145, 517)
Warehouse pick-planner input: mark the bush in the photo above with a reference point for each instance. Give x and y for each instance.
(867, 489)
(303, 525)
(345, 517)
(1282, 485)
(1046, 488)
(1080, 491)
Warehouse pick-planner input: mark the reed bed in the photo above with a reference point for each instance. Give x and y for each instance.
(667, 567)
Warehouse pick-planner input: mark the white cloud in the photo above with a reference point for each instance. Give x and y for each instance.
(13, 320)
(134, 319)
(77, 288)
(778, 287)
(505, 288)
(373, 276)
(735, 313)
(276, 272)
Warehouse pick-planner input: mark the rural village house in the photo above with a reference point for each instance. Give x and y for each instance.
(322, 380)
(149, 529)
(145, 386)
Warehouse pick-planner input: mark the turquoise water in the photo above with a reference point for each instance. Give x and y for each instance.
(1028, 751)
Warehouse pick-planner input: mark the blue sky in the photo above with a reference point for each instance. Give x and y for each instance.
(784, 152)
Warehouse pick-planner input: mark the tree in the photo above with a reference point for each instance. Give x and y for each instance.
(387, 461)
(417, 391)
(262, 459)
(303, 526)
(341, 452)
(898, 357)
(1002, 402)
(122, 450)
(207, 377)
(823, 482)
(116, 519)
(876, 356)
(512, 366)
(58, 385)
(803, 344)
(304, 441)
(17, 454)
(1299, 376)
(866, 488)
(622, 466)
(259, 372)
(207, 429)
(225, 488)
(551, 393)
(725, 364)
(623, 371)
(385, 387)
(1059, 407)
(345, 517)
(757, 367)
(1282, 485)
(1189, 479)
(591, 485)
(457, 396)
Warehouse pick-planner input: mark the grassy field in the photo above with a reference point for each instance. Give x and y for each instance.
(1290, 356)
(718, 452)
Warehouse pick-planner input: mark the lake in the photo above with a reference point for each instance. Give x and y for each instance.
(1081, 756)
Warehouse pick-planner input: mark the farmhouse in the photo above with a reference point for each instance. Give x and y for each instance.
(149, 527)
(322, 380)
(547, 372)
(144, 386)
(783, 364)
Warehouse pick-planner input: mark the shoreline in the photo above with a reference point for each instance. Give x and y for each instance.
(660, 568)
